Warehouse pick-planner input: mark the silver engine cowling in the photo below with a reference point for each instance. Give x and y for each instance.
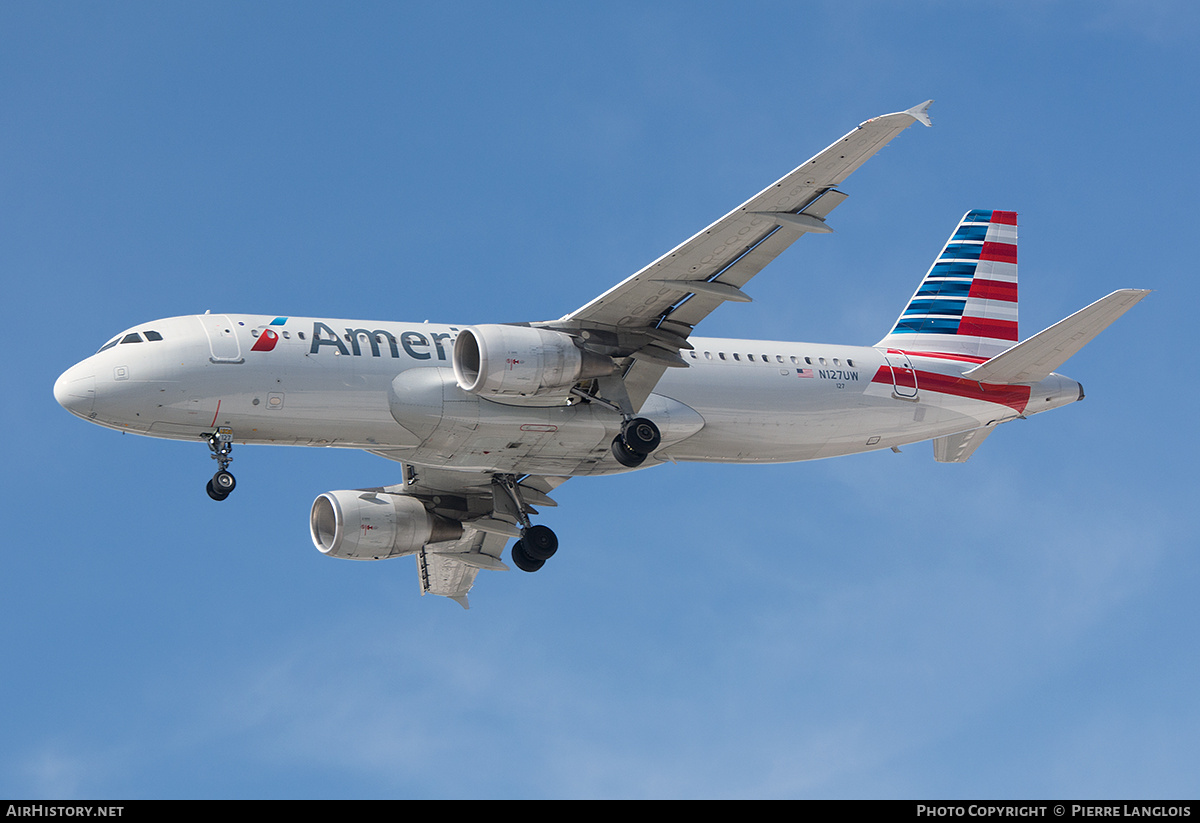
(364, 525)
(519, 361)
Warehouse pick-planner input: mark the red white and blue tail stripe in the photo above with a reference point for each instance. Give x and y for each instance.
(967, 303)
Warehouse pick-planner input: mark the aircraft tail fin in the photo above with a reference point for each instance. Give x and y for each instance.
(967, 303)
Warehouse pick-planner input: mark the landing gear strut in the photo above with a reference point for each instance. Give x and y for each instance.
(220, 443)
(538, 543)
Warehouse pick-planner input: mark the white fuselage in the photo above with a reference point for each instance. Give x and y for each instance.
(388, 387)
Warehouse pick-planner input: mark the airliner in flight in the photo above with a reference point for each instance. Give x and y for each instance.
(486, 420)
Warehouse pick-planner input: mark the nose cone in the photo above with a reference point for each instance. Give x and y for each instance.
(75, 390)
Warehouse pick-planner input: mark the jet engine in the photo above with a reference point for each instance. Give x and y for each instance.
(367, 525)
(519, 361)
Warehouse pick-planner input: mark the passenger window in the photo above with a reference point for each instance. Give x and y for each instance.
(750, 357)
(849, 362)
(837, 362)
(721, 355)
(822, 360)
(708, 355)
(779, 357)
(132, 337)
(808, 360)
(795, 360)
(737, 357)
(254, 332)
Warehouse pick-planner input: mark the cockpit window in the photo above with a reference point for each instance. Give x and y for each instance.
(132, 337)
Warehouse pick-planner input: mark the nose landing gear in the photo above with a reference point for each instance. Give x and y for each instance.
(220, 443)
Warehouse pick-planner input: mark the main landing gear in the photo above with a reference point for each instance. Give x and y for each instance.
(537, 543)
(220, 443)
(638, 438)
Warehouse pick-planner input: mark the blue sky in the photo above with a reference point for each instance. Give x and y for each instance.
(878, 626)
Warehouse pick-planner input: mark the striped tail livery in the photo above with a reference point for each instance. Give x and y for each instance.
(967, 303)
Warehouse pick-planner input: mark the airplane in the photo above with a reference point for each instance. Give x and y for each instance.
(487, 420)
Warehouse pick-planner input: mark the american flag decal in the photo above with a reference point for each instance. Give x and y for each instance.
(804, 372)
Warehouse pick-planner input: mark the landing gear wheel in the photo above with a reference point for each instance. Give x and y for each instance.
(520, 557)
(641, 436)
(539, 542)
(626, 456)
(213, 493)
(220, 443)
(223, 482)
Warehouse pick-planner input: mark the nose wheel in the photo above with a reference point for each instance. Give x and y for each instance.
(220, 443)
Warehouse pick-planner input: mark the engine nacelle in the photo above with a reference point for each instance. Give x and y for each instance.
(359, 525)
(519, 361)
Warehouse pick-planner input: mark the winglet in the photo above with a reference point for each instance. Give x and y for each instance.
(921, 113)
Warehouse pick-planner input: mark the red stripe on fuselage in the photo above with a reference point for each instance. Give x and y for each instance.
(942, 355)
(1015, 397)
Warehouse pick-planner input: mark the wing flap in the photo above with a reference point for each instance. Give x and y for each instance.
(449, 569)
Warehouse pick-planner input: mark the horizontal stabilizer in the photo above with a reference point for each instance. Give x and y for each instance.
(1041, 354)
(956, 448)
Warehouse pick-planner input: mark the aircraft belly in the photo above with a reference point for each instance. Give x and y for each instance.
(473, 433)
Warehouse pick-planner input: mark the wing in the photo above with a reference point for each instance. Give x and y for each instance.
(488, 513)
(648, 317)
(449, 569)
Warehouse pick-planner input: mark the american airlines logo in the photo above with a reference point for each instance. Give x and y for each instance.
(267, 336)
(357, 342)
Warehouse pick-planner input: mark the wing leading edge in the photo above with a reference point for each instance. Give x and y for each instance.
(649, 316)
